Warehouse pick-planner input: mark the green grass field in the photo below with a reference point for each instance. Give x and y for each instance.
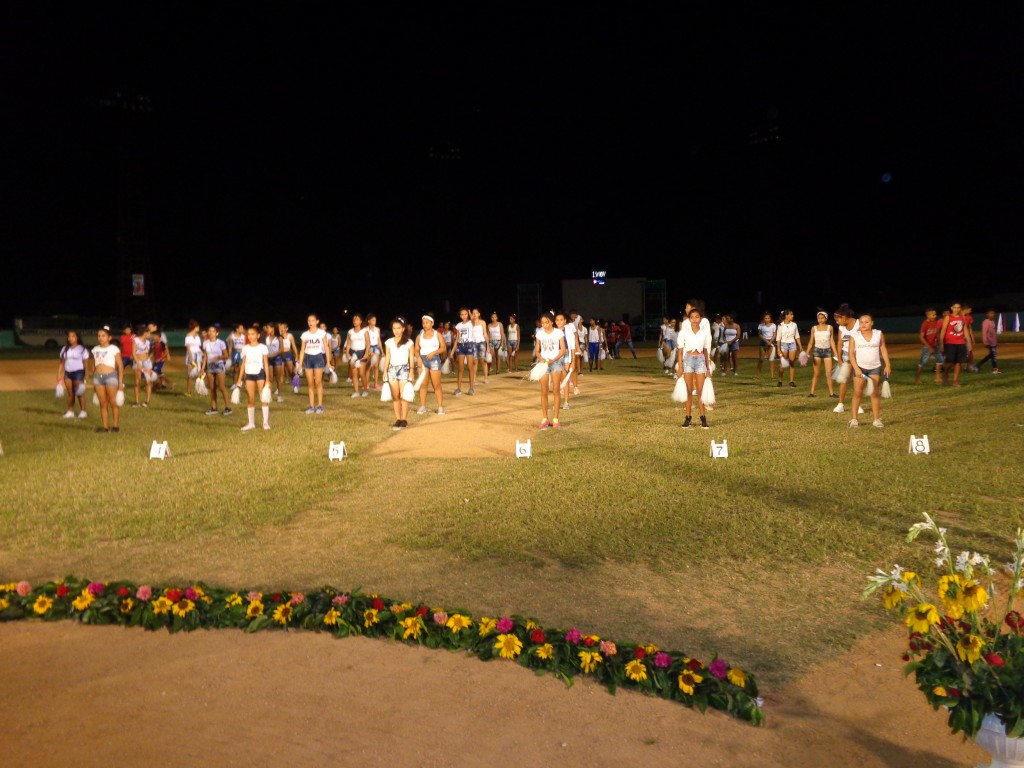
(621, 525)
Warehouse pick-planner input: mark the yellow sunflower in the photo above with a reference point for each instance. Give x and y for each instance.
(370, 617)
(41, 605)
(457, 622)
(921, 617)
(412, 627)
(545, 651)
(232, 600)
(126, 605)
(83, 601)
(968, 648)
(254, 609)
(589, 661)
(183, 607)
(737, 677)
(331, 617)
(974, 596)
(487, 625)
(892, 597)
(161, 605)
(283, 614)
(4, 603)
(636, 670)
(509, 646)
(688, 681)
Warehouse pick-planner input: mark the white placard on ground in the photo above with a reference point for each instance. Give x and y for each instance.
(524, 450)
(720, 450)
(159, 450)
(919, 445)
(336, 451)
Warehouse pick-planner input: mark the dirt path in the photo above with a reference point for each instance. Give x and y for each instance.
(97, 696)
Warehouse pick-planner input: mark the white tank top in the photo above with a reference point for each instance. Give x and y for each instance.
(286, 343)
(273, 346)
(845, 334)
(821, 339)
(429, 346)
(512, 334)
(494, 331)
(106, 355)
(478, 334)
(238, 342)
(868, 354)
(374, 336)
(356, 339)
(141, 346)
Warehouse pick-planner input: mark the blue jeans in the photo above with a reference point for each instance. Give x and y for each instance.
(629, 343)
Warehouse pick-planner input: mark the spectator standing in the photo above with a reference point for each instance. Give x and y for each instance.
(955, 341)
(990, 339)
(625, 337)
(929, 336)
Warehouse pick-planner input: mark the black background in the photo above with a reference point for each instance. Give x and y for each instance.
(316, 157)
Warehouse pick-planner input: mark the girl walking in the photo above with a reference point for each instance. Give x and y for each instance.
(867, 355)
(215, 362)
(314, 357)
(397, 359)
(479, 342)
(275, 358)
(787, 338)
(142, 364)
(430, 352)
(595, 344)
(375, 351)
(766, 336)
(356, 346)
(496, 340)
(288, 347)
(821, 346)
(512, 340)
(253, 373)
(731, 334)
(71, 371)
(550, 349)
(571, 348)
(465, 350)
(108, 381)
(193, 356)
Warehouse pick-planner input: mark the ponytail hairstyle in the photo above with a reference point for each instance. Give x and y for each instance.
(405, 329)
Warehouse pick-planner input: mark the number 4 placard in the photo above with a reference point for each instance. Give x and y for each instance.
(720, 450)
(919, 445)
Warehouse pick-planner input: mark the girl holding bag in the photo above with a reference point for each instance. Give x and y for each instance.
(71, 373)
(108, 381)
(694, 346)
(397, 360)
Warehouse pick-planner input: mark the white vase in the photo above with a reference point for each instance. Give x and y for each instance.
(1006, 752)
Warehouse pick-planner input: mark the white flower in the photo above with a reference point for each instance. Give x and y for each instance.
(961, 561)
(940, 561)
(977, 559)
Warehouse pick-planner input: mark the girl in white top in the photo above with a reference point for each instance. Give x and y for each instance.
(867, 355)
(694, 346)
(667, 337)
(253, 370)
(357, 350)
(846, 325)
(398, 352)
(314, 359)
(375, 349)
(480, 341)
(288, 348)
(550, 348)
(821, 347)
(108, 380)
(215, 362)
(193, 356)
(497, 342)
(142, 365)
(581, 336)
(787, 342)
(429, 355)
(275, 375)
(512, 340)
(465, 350)
(595, 343)
(74, 358)
(572, 348)
(237, 345)
(336, 343)
(766, 337)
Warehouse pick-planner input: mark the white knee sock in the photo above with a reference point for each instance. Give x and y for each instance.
(252, 416)
(266, 414)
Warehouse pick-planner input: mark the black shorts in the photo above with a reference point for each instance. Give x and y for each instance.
(956, 353)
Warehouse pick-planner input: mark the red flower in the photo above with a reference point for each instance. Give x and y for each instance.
(588, 641)
(995, 660)
(537, 635)
(906, 657)
(1015, 621)
(174, 595)
(62, 590)
(276, 597)
(954, 692)
(639, 652)
(123, 592)
(694, 665)
(378, 604)
(422, 611)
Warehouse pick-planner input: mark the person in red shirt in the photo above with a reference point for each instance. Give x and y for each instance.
(955, 341)
(929, 336)
(625, 337)
(127, 346)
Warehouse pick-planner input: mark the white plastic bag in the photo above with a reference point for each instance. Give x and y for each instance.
(193, 371)
(869, 386)
(446, 368)
(236, 396)
(265, 395)
(333, 376)
(502, 353)
(59, 391)
(723, 348)
(488, 357)
(784, 362)
(603, 355)
(80, 389)
(586, 355)
(95, 399)
(707, 392)
(771, 356)
(711, 369)
(385, 392)
(150, 376)
(408, 393)
(661, 355)
(843, 375)
(539, 371)
(803, 358)
(119, 398)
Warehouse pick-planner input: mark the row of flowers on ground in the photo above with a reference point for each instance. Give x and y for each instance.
(564, 653)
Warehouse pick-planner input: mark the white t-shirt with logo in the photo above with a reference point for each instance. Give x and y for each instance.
(315, 341)
(549, 343)
(106, 355)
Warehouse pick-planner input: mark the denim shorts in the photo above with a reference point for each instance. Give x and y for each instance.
(554, 366)
(567, 360)
(670, 343)
(432, 363)
(926, 353)
(374, 349)
(236, 358)
(788, 346)
(871, 371)
(105, 379)
(277, 360)
(158, 368)
(261, 376)
(314, 362)
(358, 354)
(75, 376)
(126, 361)
(288, 357)
(734, 346)
(465, 349)
(216, 367)
(694, 364)
(481, 349)
(822, 353)
(398, 372)
(513, 345)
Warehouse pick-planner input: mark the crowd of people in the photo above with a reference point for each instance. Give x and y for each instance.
(260, 361)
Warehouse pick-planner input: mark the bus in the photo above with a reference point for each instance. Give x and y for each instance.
(51, 332)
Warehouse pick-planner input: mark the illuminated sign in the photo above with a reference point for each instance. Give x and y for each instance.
(598, 277)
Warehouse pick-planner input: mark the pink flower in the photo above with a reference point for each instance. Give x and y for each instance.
(340, 599)
(573, 636)
(504, 625)
(253, 596)
(298, 599)
(718, 668)
(23, 588)
(95, 588)
(662, 660)
(190, 594)
(441, 618)
(608, 648)
(144, 593)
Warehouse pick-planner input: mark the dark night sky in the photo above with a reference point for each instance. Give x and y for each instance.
(286, 166)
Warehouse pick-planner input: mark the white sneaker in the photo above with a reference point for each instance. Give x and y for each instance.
(440, 411)
(247, 427)
(365, 393)
(69, 415)
(354, 394)
(422, 410)
(83, 415)
(877, 423)
(839, 408)
(853, 423)
(860, 410)
(295, 390)
(280, 399)
(266, 426)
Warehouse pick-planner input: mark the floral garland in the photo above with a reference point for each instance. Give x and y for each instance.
(670, 675)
